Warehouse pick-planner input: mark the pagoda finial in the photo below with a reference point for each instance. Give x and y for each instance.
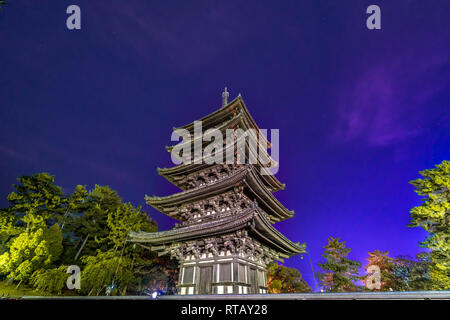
(225, 95)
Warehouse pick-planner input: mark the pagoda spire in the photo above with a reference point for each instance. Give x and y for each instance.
(225, 95)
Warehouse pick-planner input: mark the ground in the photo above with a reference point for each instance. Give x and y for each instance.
(10, 289)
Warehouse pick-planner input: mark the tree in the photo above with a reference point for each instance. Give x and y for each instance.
(50, 280)
(339, 272)
(160, 275)
(419, 275)
(8, 228)
(392, 272)
(104, 270)
(433, 215)
(89, 224)
(281, 279)
(36, 203)
(124, 219)
(100, 231)
(414, 274)
(44, 230)
(30, 237)
(31, 251)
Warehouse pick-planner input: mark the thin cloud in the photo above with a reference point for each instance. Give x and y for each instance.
(147, 30)
(387, 103)
(8, 152)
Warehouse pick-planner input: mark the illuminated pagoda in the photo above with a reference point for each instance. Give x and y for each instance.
(225, 238)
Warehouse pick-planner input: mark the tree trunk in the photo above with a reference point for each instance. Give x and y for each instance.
(82, 246)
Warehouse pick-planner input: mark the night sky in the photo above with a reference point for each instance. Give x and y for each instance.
(360, 111)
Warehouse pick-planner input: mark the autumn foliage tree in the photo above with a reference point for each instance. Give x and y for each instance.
(390, 271)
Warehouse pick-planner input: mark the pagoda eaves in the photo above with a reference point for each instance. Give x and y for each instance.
(235, 109)
(254, 218)
(247, 175)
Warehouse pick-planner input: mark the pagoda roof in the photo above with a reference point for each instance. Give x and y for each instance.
(239, 120)
(246, 176)
(269, 179)
(253, 218)
(235, 109)
(251, 150)
(171, 174)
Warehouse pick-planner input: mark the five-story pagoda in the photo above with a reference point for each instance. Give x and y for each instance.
(226, 236)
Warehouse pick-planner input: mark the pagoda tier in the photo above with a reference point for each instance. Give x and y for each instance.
(231, 114)
(239, 121)
(254, 153)
(204, 197)
(254, 219)
(185, 176)
(227, 255)
(192, 175)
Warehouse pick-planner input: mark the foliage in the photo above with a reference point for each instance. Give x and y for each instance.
(414, 272)
(106, 268)
(433, 215)
(116, 262)
(393, 275)
(37, 202)
(30, 251)
(43, 228)
(402, 273)
(159, 273)
(89, 223)
(7, 288)
(50, 280)
(101, 218)
(339, 272)
(8, 228)
(281, 279)
(125, 219)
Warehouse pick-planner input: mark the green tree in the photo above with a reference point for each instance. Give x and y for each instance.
(43, 231)
(31, 251)
(339, 272)
(50, 280)
(107, 269)
(89, 225)
(124, 220)
(433, 215)
(281, 279)
(419, 276)
(100, 231)
(36, 203)
(8, 228)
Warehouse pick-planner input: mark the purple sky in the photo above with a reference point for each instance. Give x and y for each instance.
(360, 112)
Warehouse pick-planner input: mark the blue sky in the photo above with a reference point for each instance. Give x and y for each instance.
(360, 112)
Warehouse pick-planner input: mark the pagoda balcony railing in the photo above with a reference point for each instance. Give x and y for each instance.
(211, 217)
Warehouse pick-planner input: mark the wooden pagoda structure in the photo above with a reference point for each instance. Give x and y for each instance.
(225, 238)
